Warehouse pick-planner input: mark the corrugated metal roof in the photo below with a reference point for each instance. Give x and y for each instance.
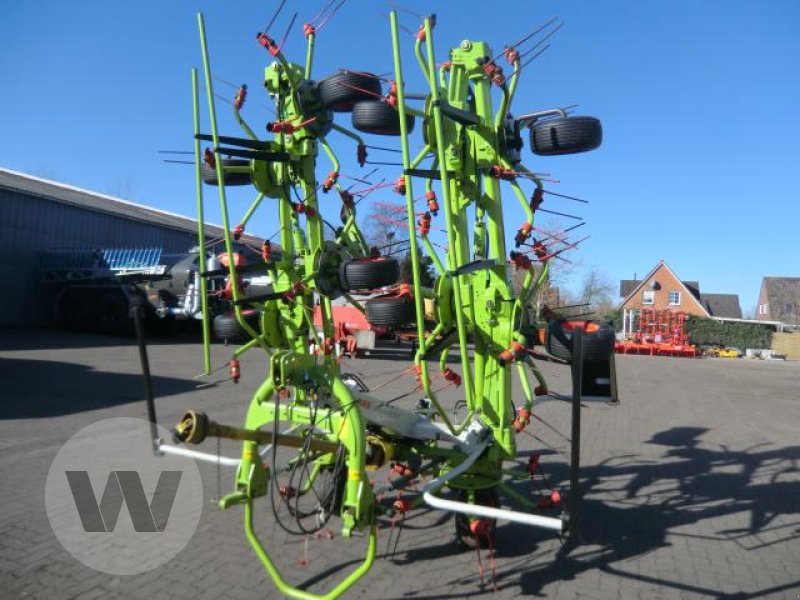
(67, 194)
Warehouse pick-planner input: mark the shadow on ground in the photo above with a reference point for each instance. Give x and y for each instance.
(693, 484)
(187, 332)
(662, 499)
(38, 388)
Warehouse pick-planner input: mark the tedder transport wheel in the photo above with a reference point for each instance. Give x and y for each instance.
(337, 92)
(464, 534)
(369, 273)
(210, 175)
(375, 116)
(112, 316)
(567, 135)
(227, 328)
(390, 310)
(598, 341)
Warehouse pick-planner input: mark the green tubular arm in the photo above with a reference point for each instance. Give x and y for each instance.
(288, 70)
(309, 55)
(348, 133)
(201, 227)
(443, 358)
(508, 96)
(222, 197)
(356, 304)
(398, 69)
(415, 268)
(252, 209)
(419, 158)
(415, 111)
(259, 414)
(297, 233)
(443, 76)
(425, 342)
(437, 262)
(523, 201)
(352, 235)
(293, 592)
(425, 240)
(244, 348)
(469, 391)
(331, 155)
(421, 60)
(526, 386)
(243, 124)
(523, 169)
(537, 373)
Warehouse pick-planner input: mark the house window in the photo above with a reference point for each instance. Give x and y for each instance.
(675, 298)
(648, 297)
(763, 309)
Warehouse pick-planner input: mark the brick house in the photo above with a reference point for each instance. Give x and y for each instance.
(663, 289)
(779, 300)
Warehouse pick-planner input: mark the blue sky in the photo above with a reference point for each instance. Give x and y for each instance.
(699, 103)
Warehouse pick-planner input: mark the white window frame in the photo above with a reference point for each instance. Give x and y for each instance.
(648, 297)
(671, 303)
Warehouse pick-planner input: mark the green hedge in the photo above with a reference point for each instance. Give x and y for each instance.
(728, 333)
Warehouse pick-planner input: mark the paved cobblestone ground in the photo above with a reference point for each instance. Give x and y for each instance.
(691, 485)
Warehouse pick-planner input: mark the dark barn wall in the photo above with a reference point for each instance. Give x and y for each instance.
(30, 224)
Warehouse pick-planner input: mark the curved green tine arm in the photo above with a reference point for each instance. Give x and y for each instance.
(220, 177)
(423, 65)
(201, 228)
(311, 37)
(329, 151)
(426, 149)
(523, 200)
(352, 237)
(526, 386)
(356, 304)
(443, 76)
(243, 124)
(537, 373)
(252, 209)
(415, 270)
(437, 262)
(414, 111)
(348, 133)
(508, 96)
(469, 391)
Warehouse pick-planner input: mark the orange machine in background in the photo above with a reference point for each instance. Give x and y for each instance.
(659, 333)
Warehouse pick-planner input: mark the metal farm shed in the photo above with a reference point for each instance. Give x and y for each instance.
(37, 215)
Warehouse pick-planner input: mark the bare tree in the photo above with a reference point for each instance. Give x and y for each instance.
(596, 288)
(384, 225)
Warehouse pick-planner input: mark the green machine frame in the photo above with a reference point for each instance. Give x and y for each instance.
(329, 418)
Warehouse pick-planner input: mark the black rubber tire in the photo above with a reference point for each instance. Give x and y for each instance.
(597, 345)
(210, 175)
(337, 95)
(369, 273)
(567, 135)
(390, 310)
(227, 328)
(377, 117)
(113, 316)
(74, 309)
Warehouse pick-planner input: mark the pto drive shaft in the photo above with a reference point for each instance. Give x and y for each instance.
(195, 427)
